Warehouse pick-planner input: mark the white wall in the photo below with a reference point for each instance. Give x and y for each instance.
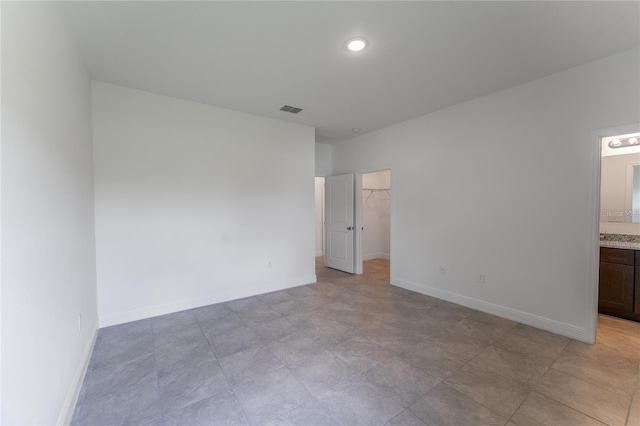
(48, 257)
(376, 216)
(323, 159)
(500, 185)
(196, 204)
(319, 191)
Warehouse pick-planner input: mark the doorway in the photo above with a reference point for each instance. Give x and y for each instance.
(375, 223)
(618, 228)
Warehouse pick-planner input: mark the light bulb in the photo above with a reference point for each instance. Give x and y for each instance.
(356, 44)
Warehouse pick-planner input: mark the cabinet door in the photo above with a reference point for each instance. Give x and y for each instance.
(636, 308)
(615, 296)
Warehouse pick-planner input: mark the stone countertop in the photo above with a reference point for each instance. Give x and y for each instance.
(620, 241)
(620, 245)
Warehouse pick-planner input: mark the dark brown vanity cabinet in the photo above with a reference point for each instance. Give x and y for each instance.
(619, 292)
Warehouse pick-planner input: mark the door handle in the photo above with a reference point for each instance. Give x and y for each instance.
(349, 228)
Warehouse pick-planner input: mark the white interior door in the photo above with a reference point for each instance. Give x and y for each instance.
(339, 222)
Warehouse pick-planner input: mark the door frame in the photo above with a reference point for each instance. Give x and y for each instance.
(358, 267)
(593, 255)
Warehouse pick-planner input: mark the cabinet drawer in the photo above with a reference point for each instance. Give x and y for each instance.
(619, 256)
(637, 257)
(615, 295)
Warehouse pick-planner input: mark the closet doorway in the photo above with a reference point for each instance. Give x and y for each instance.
(374, 214)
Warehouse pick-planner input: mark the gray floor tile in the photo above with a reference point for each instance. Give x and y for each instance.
(498, 393)
(400, 380)
(446, 406)
(271, 395)
(220, 409)
(525, 369)
(212, 313)
(358, 402)
(322, 372)
(116, 378)
(482, 331)
(294, 348)
(465, 347)
(170, 357)
(602, 404)
(612, 377)
(434, 360)
(258, 315)
(273, 330)
(247, 304)
(406, 418)
(329, 333)
(136, 405)
(391, 338)
(275, 297)
(360, 353)
(235, 341)
(116, 352)
(288, 307)
(173, 322)
(301, 291)
(185, 335)
(245, 365)
(539, 410)
(225, 325)
(308, 414)
(337, 336)
(190, 383)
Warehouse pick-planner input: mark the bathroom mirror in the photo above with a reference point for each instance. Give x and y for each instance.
(620, 190)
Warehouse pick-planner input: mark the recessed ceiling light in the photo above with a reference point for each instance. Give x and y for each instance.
(355, 130)
(356, 44)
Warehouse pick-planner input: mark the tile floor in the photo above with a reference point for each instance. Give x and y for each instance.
(353, 350)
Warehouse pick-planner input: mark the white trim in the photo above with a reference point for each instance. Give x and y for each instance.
(319, 253)
(236, 292)
(358, 268)
(68, 408)
(372, 256)
(537, 321)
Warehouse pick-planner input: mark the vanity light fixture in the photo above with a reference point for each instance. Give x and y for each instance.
(623, 142)
(356, 44)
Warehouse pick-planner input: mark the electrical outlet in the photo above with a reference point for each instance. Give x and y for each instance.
(481, 278)
(79, 322)
(442, 270)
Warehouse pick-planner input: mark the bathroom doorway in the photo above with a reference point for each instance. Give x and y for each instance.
(617, 319)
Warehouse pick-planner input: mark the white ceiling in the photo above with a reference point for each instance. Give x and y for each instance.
(423, 56)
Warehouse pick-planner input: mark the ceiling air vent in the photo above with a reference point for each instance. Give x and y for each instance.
(291, 109)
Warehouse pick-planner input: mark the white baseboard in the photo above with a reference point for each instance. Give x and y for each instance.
(372, 256)
(230, 292)
(66, 414)
(557, 327)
